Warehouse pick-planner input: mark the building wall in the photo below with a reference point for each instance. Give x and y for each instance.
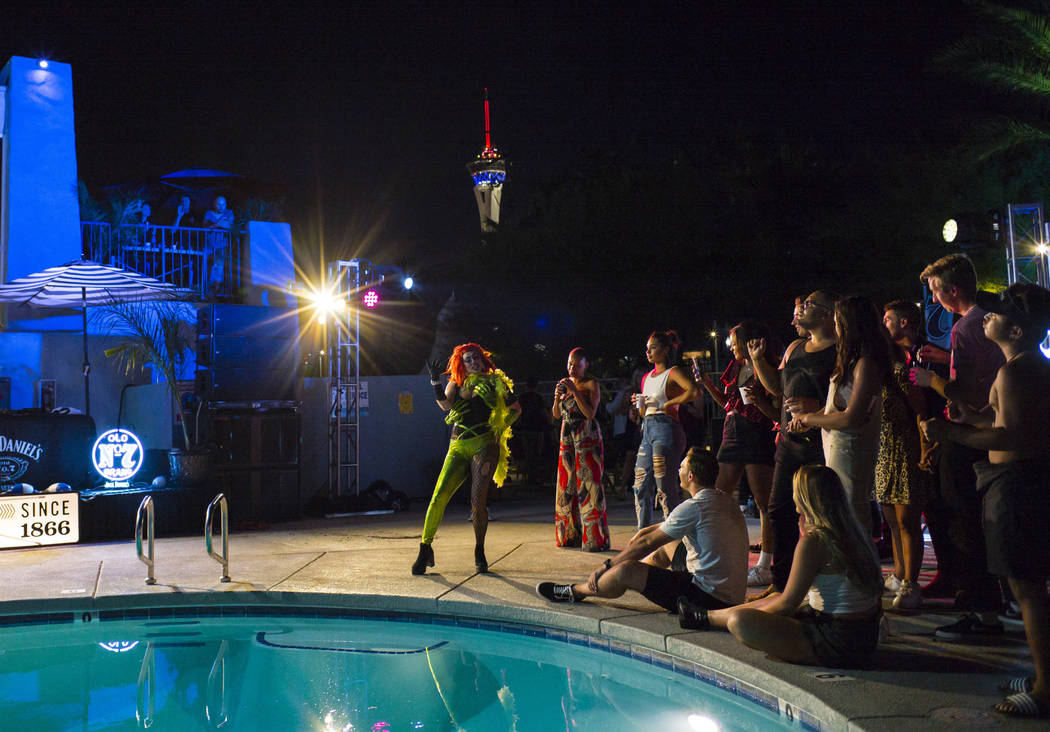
(40, 218)
(404, 449)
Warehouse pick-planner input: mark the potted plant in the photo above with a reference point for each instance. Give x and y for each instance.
(160, 336)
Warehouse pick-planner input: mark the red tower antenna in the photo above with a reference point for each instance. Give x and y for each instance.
(488, 136)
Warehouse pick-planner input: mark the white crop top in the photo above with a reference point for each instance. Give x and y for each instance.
(655, 391)
(836, 593)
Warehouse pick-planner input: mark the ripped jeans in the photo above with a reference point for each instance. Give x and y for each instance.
(659, 454)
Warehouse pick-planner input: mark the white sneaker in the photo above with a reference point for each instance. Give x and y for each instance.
(759, 576)
(892, 583)
(909, 596)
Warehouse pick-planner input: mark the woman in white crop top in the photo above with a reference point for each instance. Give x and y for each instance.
(663, 389)
(835, 567)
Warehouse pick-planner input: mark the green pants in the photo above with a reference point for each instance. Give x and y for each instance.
(473, 455)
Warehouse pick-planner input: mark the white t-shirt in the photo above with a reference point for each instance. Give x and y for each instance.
(715, 535)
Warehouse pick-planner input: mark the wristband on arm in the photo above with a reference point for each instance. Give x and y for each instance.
(439, 392)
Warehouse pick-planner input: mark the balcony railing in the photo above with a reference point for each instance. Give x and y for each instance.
(206, 261)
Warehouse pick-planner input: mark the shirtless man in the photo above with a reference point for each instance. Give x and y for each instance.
(1015, 481)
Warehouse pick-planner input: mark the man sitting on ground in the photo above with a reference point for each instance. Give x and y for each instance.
(1015, 481)
(715, 535)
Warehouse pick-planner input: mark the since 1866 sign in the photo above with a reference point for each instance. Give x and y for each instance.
(38, 519)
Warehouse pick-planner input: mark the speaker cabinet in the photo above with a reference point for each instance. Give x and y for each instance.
(247, 353)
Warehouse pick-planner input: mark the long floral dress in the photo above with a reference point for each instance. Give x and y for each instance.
(579, 503)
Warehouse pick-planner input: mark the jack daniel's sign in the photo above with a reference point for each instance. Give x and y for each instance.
(16, 456)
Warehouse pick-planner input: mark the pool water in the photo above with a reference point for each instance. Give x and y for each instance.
(345, 674)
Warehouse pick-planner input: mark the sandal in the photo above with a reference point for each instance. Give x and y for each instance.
(1024, 706)
(1020, 685)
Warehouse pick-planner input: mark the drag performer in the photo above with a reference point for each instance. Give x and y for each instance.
(579, 501)
(481, 407)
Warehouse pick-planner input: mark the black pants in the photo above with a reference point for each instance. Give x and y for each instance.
(960, 514)
(791, 455)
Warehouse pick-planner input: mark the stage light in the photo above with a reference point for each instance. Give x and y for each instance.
(1043, 249)
(950, 230)
(409, 282)
(42, 63)
(371, 299)
(325, 303)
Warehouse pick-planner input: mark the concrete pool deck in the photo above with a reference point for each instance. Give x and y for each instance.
(362, 562)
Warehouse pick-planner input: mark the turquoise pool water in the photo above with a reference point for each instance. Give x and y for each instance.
(246, 670)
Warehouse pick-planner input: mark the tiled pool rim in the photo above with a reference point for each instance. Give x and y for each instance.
(791, 703)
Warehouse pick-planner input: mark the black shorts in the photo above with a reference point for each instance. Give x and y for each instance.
(663, 587)
(1016, 513)
(746, 442)
(840, 642)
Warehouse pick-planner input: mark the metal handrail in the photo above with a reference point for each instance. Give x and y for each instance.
(147, 689)
(146, 507)
(224, 525)
(217, 674)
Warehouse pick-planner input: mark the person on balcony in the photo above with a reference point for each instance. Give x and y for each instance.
(183, 215)
(221, 218)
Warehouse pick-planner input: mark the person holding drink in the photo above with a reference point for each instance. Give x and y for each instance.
(579, 503)
(747, 435)
(663, 389)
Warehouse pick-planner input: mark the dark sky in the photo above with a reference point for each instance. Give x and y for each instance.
(369, 111)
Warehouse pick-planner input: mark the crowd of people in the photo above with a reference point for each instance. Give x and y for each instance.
(139, 236)
(858, 422)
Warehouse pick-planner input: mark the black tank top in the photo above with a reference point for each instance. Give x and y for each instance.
(806, 375)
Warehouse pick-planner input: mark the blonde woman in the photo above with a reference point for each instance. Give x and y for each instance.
(835, 569)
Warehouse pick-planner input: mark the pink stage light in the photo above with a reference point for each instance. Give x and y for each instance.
(371, 299)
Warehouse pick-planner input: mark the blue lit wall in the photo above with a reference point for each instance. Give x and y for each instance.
(40, 217)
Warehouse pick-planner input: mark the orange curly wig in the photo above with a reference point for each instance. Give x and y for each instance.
(457, 371)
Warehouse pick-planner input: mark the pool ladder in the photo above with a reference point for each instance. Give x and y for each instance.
(224, 524)
(145, 511)
(144, 530)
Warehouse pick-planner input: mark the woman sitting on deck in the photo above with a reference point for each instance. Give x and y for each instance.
(835, 568)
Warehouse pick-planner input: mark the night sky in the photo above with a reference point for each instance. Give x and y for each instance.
(368, 112)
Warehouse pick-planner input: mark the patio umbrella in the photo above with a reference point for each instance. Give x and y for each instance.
(85, 283)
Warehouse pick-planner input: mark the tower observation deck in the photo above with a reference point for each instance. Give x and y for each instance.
(489, 171)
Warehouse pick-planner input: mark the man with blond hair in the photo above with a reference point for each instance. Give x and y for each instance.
(973, 364)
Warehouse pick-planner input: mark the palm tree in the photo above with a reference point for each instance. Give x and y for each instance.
(1010, 55)
(158, 335)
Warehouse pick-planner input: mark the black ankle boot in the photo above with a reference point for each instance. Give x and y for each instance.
(480, 563)
(692, 617)
(424, 560)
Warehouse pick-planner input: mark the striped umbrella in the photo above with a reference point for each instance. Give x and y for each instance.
(85, 283)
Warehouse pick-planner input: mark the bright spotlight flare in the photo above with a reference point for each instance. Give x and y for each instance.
(326, 302)
(409, 282)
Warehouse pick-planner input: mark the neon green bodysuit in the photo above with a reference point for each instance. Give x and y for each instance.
(478, 446)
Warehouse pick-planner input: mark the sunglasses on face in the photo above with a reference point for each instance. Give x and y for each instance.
(808, 304)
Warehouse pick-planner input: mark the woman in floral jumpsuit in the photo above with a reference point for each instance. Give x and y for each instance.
(579, 504)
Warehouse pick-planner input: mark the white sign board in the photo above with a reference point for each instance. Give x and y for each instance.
(39, 519)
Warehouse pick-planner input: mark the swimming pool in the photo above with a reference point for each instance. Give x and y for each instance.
(291, 668)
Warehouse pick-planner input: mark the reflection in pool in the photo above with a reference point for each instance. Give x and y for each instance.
(299, 673)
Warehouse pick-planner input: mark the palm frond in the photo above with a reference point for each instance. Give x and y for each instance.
(156, 334)
(1001, 134)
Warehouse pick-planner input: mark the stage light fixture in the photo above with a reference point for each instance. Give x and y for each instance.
(409, 282)
(42, 63)
(371, 299)
(950, 230)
